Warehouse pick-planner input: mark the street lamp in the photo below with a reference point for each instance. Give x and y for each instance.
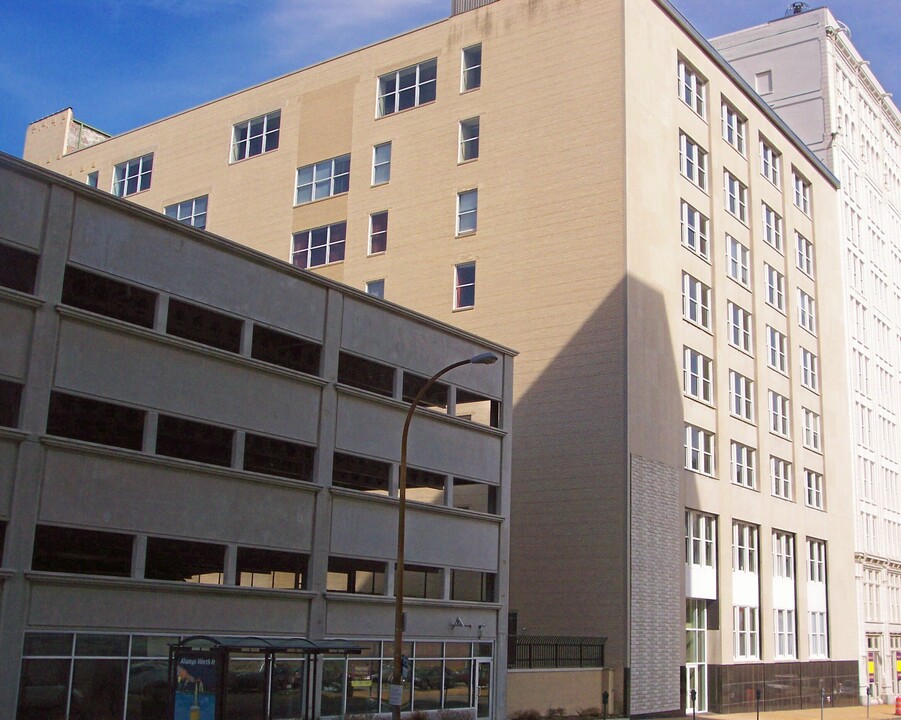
(396, 696)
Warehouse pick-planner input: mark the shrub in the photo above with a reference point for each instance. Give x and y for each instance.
(556, 712)
(526, 715)
(593, 712)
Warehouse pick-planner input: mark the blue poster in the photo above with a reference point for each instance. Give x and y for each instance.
(196, 685)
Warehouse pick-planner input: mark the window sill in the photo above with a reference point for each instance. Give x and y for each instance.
(377, 254)
(464, 309)
(131, 195)
(319, 200)
(465, 233)
(251, 157)
(379, 116)
(468, 162)
(700, 401)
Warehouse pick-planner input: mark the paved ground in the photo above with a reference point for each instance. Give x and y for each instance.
(876, 712)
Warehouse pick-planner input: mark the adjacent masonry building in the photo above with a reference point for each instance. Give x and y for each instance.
(807, 68)
(591, 183)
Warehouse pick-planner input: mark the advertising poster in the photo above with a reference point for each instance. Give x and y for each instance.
(196, 685)
(871, 667)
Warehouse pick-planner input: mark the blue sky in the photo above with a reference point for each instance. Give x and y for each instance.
(123, 63)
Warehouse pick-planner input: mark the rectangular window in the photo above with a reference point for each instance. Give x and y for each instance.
(18, 269)
(255, 136)
(805, 254)
(734, 128)
(10, 404)
(381, 163)
(105, 296)
(781, 476)
(695, 301)
(278, 457)
(772, 227)
(319, 246)
(801, 192)
(814, 489)
(784, 631)
(472, 586)
(185, 561)
(692, 88)
(736, 196)
(467, 211)
(699, 446)
(746, 645)
(775, 287)
(407, 88)
(322, 180)
(819, 647)
(816, 561)
(471, 74)
(421, 581)
(191, 440)
(783, 555)
(700, 539)
(286, 350)
(741, 396)
(378, 233)
(738, 261)
(811, 430)
(376, 288)
(807, 312)
(779, 414)
(744, 471)
(95, 421)
(132, 176)
(693, 161)
(469, 139)
(694, 231)
(361, 577)
(809, 370)
(464, 286)
(770, 162)
(203, 325)
(777, 350)
(366, 374)
(270, 569)
(697, 373)
(190, 212)
(744, 547)
(92, 179)
(739, 327)
(360, 473)
(81, 552)
(475, 496)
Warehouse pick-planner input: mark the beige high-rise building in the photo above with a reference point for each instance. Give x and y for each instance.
(590, 183)
(821, 85)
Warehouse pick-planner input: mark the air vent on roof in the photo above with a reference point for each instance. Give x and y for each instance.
(461, 6)
(796, 8)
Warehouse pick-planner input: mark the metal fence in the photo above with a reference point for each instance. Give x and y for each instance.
(555, 651)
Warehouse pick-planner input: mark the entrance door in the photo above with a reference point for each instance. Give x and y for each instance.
(696, 653)
(482, 689)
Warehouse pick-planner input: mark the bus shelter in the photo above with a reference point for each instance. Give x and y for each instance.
(248, 678)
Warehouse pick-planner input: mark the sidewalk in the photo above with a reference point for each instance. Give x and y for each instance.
(858, 712)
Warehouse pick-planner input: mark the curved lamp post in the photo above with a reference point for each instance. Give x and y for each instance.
(396, 697)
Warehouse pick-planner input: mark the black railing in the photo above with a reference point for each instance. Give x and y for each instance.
(555, 651)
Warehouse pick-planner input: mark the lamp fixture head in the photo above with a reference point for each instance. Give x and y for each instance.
(484, 359)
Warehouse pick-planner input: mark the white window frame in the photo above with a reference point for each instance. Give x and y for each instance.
(805, 260)
(774, 281)
(376, 234)
(692, 88)
(801, 187)
(744, 465)
(770, 162)
(818, 641)
(735, 127)
(695, 229)
(697, 375)
(423, 90)
(334, 247)
(376, 288)
(745, 633)
(471, 68)
(807, 312)
(381, 163)
(741, 396)
(699, 450)
(809, 370)
(321, 180)
(777, 350)
(460, 285)
(191, 212)
(469, 139)
(735, 193)
(693, 161)
(785, 647)
(772, 227)
(467, 212)
(744, 547)
(816, 561)
(132, 176)
(242, 147)
(780, 413)
(739, 327)
(813, 486)
(781, 478)
(811, 425)
(700, 539)
(695, 301)
(738, 261)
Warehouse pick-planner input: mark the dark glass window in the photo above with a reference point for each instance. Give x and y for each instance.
(286, 350)
(202, 325)
(109, 297)
(46, 644)
(278, 457)
(271, 569)
(85, 552)
(18, 269)
(435, 397)
(189, 440)
(95, 421)
(2, 540)
(366, 374)
(10, 401)
(471, 495)
(98, 689)
(184, 560)
(478, 408)
(473, 586)
(44, 689)
(348, 575)
(359, 473)
(421, 581)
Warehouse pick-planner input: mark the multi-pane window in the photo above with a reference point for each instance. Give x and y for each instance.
(746, 645)
(700, 539)
(469, 139)
(811, 421)
(381, 163)
(695, 231)
(807, 312)
(813, 482)
(744, 547)
(741, 396)
(408, 87)
(744, 471)
(772, 227)
(92, 178)
(697, 373)
(777, 349)
(801, 192)
(739, 327)
(699, 450)
(779, 413)
(775, 287)
(734, 128)
(816, 561)
(378, 232)
(376, 288)
(467, 211)
(693, 161)
(818, 641)
(871, 591)
(471, 74)
(692, 88)
(738, 261)
(695, 301)
(319, 246)
(804, 254)
(256, 136)
(783, 555)
(322, 179)
(781, 476)
(769, 162)
(190, 212)
(464, 286)
(809, 370)
(736, 196)
(784, 631)
(132, 176)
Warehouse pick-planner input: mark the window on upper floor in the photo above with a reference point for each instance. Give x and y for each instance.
(106, 296)
(469, 139)
(361, 473)
(289, 351)
(781, 478)
(695, 301)
(474, 495)
(736, 196)
(190, 212)
(807, 312)
(191, 440)
(473, 586)
(255, 136)
(471, 73)
(282, 458)
(132, 176)
(804, 254)
(695, 228)
(18, 268)
(376, 288)
(95, 421)
(378, 232)
(467, 211)
(699, 450)
(744, 470)
(692, 88)
(780, 416)
(770, 162)
(693, 161)
(811, 426)
(739, 328)
(738, 261)
(735, 127)
(775, 287)
(809, 370)
(772, 228)
(81, 552)
(381, 163)
(322, 180)
(700, 539)
(10, 403)
(783, 555)
(777, 350)
(816, 561)
(366, 374)
(204, 325)
(319, 246)
(361, 577)
(185, 561)
(744, 547)
(92, 178)
(274, 569)
(813, 482)
(745, 632)
(801, 187)
(464, 286)
(741, 396)
(697, 374)
(408, 87)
